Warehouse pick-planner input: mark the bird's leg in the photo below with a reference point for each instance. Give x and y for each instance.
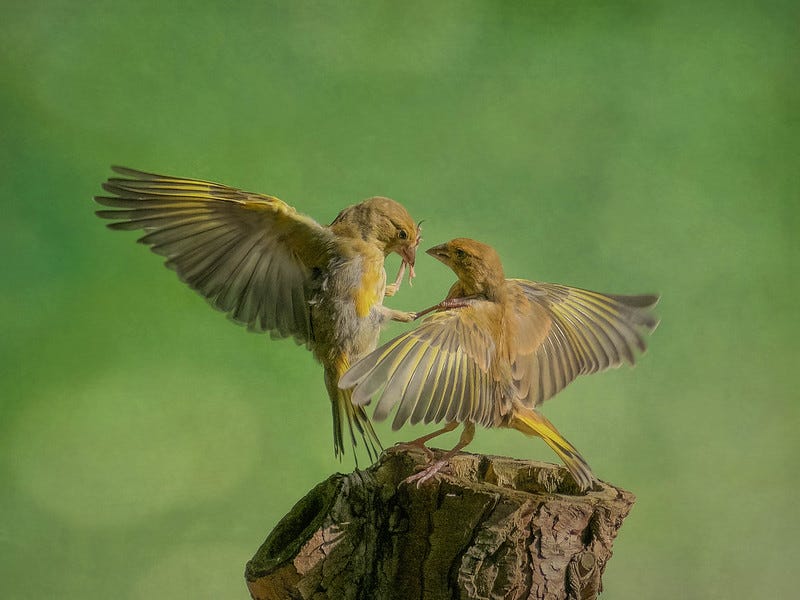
(446, 305)
(390, 314)
(431, 470)
(420, 442)
(392, 288)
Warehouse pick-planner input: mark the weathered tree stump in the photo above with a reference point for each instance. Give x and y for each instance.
(492, 527)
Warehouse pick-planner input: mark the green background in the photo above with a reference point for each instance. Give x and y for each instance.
(147, 445)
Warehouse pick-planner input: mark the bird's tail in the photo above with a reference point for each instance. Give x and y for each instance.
(532, 422)
(344, 411)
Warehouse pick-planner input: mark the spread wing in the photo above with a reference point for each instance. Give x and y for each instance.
(249, 254)
(469, 363)
(440, 370)
(587, 332)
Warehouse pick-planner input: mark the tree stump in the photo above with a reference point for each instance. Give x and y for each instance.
(491, 527)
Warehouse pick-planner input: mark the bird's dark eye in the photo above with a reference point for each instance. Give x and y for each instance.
(460, 253)
(402, 234)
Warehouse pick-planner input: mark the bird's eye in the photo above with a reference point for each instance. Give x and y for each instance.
(460, 253)
(402, 234)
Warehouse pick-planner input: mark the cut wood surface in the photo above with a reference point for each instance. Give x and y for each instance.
(491, 527)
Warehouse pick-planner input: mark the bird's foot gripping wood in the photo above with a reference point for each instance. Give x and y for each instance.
(428, 472)
(444, 462)
(419, 443)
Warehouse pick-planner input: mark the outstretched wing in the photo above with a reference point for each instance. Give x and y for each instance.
(249, 254)
(470, 363)
(442, 370)
(587, 332)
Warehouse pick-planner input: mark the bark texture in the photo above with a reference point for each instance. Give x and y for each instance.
(492, 527)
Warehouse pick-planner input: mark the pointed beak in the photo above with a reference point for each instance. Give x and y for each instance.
(440, 253)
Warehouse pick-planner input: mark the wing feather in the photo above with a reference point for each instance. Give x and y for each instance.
(397, 383)
(414, 388)
(439, 371)
(371, 381)
(450, 368)
(430, 388)
(249, 254)
(438, 406)
(461, 376)
(589, 332)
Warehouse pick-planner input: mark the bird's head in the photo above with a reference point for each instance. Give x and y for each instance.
(477, 265)
(385, 222)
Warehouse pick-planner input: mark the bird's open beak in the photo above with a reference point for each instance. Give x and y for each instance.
(408, 254)
(440, 253)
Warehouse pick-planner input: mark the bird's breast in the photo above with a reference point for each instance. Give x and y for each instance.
(369, 290)
(345, 312)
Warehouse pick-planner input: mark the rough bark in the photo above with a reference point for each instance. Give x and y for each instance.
(492, 527)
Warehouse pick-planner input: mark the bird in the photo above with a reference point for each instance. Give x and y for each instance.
(494, 350)
(276, 270)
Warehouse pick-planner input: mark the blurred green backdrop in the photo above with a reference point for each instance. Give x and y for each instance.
(147, 445)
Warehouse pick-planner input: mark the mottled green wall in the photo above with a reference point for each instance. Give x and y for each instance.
(147, 445)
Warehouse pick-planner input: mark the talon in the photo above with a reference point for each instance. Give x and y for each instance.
(427, 473)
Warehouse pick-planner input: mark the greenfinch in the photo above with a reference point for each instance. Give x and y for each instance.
(494, 350)
(275, 270)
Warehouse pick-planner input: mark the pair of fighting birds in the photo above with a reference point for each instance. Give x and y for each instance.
(490, 353)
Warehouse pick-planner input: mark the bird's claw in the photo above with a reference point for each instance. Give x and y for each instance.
(391, 289)
(427, 473)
